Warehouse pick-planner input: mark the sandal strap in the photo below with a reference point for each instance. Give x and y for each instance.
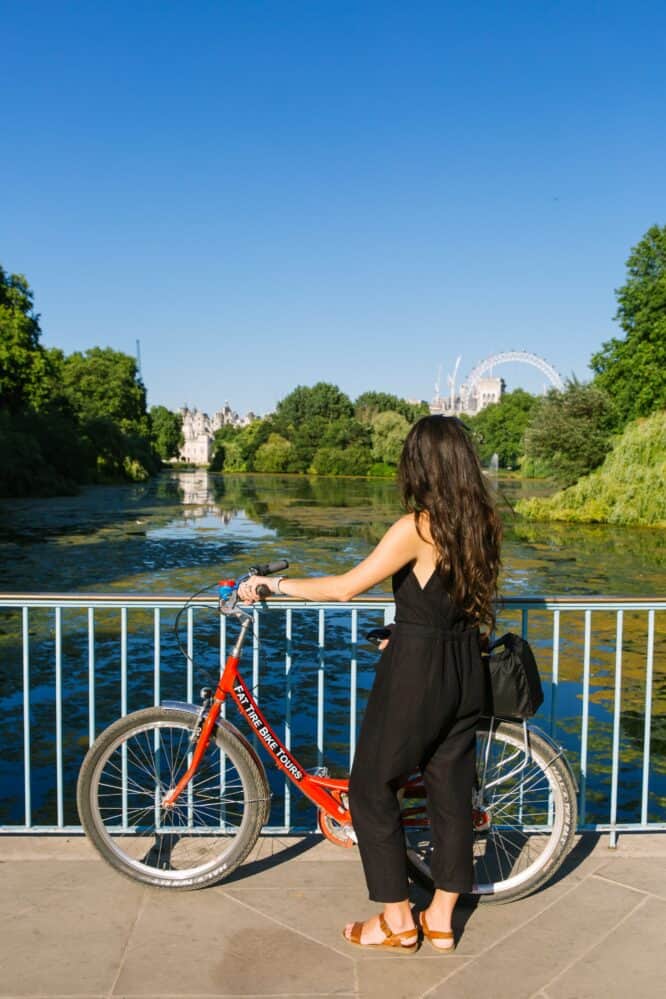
(435, 934)
(355, 934)
(393, 939)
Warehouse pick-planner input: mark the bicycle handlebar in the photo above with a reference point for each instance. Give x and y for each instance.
(269, 568)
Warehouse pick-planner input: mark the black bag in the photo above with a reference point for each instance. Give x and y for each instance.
(513, 685)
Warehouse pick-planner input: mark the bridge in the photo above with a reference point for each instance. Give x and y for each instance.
(479, 390)
(74, 927)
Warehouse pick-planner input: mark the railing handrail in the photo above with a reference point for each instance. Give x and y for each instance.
(563, 602)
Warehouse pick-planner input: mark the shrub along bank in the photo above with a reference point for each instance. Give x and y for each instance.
(628, 488)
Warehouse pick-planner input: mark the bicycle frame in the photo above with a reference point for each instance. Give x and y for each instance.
(327, 793)
(330, 795)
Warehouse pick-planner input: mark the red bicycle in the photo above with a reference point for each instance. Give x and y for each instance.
(176, 796)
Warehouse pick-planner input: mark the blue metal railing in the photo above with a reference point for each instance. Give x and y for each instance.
(594, 654)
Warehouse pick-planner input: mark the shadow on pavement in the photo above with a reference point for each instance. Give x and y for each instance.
(249, 868)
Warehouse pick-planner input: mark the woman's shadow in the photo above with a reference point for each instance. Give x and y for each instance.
(421, 894)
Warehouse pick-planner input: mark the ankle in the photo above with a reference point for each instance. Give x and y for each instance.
(439, 914)
(399, 917)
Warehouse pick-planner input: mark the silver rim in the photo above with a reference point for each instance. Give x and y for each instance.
(181, 844)
(526, 814)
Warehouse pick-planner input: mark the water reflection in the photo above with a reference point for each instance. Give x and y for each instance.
(183, 530)
(161, 534)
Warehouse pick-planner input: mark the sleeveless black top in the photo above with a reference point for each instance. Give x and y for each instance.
(429, 677)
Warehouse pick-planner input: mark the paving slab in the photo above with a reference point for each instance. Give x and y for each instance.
(72, 927)
(517, 963)
(640, 873)
(627, 962)
(215, 945)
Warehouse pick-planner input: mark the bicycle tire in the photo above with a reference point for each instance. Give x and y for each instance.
(529, 819)
(212, 826)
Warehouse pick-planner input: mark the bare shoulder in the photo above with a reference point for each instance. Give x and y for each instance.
(405, 528)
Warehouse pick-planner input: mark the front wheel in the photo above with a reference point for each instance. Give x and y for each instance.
(524, 814)
(212, 826)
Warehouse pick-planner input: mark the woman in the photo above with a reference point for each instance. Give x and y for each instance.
(443, 556)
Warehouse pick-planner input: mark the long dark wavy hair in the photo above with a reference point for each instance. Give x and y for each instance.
(439, 474)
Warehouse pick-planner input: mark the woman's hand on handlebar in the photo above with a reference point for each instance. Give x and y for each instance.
(247, 590)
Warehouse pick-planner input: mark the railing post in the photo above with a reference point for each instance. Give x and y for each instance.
(25, 642)
(649, 664)
(617, 708)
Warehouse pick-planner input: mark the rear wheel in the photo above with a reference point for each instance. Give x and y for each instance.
(209, 830)
(524, 816)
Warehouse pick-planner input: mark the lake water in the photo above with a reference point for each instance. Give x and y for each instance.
(183, 531)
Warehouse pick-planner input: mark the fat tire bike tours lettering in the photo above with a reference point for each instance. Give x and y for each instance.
(176, 796)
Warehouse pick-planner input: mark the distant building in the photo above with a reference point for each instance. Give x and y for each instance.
(199, 430)
(465, 402)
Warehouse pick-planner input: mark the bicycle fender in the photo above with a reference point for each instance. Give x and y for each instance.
(558, 750)
(234, 732)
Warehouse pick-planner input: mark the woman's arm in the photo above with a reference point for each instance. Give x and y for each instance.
(399, 546)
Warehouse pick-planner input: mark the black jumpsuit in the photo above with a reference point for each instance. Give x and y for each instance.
(421, 713)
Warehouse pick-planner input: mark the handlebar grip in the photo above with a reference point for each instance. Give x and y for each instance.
(271, 567)
(264, 591)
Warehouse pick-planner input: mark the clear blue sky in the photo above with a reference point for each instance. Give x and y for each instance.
(274, 193)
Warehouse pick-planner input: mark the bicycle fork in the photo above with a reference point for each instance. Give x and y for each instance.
(208, 720)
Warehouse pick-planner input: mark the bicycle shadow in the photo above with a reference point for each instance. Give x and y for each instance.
(275, 857)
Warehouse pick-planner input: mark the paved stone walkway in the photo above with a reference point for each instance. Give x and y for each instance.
(72, 927)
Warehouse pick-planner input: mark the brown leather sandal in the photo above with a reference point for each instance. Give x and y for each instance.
(392, 941)
(432, 935)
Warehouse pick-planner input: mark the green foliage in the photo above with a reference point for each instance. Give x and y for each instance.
(389, 430)
(380, 470)
(65, 420)
(633, 371)
(322, 401)
(353, 460)
(235, 448)
(570, 433)
(25, 370)
(228, 457)
(166, 432)
(24, 469)
(103, 384)
(273, 456)
(318, 433)
(500, 428)
(627, 489)
(314, 430)
(370, 404)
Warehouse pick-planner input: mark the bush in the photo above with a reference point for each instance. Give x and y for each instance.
(340, 461)
(627, 489)
(570, 432)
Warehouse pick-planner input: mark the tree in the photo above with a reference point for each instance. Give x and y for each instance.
(389, 430)
(102, 383)
(273, 456)
(167, 431)
(570, 433)
(323, 401)
(235, 448)
(65, 419)
(369, 404)
(25, 371)
(352, 460)
(499, 428)
(633, 371)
